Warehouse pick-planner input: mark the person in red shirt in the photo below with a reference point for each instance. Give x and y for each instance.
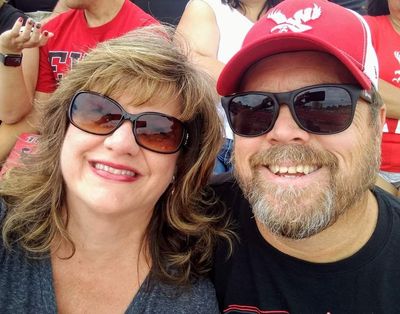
(384, 22)
(75, 32)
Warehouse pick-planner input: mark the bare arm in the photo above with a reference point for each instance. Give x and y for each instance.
(391, 97)
(9, 132)
(199, 28)
(17, 84)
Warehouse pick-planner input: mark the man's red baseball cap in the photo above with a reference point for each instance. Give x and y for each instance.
(306, 25)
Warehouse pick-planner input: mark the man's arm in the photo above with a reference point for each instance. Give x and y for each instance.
(198, 26)
(391, 97)
(17, 87)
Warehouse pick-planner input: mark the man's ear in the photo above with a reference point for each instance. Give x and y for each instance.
(382, 116)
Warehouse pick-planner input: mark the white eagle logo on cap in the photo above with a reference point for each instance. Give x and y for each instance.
(295, 23)
(397, 56)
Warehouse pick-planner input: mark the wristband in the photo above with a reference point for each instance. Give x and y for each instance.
(11, 60)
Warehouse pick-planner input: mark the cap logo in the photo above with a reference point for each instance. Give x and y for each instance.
(397, 72)
(295, 23)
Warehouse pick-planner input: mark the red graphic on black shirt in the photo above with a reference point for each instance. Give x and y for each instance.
(247, 309)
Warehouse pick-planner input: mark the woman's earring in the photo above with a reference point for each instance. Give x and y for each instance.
(172, 185)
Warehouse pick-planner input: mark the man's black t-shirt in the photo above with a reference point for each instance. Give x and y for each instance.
(258, 278)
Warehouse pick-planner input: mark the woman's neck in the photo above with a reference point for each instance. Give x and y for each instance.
(105, 236)
(102, 12)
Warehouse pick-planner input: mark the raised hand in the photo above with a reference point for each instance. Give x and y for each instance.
(21, 37)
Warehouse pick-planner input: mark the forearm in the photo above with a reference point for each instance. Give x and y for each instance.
(391, 97)
(15, 100)
(18, 84)
(9, 134)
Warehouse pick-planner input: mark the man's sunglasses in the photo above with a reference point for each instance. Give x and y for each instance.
(319, 109)
(100, 115)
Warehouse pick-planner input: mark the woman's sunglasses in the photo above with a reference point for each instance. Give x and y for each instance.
(100, 115)
(319, 109)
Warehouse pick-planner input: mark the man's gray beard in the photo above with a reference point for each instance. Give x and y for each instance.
(299, 213)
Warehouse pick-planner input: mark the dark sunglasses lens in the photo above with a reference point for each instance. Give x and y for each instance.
(159, 133)
(95, 114)
(251, 114)
(324, 110)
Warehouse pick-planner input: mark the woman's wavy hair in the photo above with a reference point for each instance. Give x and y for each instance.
(187, 220)
(235, 4)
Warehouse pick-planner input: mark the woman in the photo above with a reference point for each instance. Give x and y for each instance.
(110, 215)
(215, 30)
(384, 21)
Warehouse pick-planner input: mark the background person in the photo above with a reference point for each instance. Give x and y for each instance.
(384, 21)
(75, 32)
(315, 236)
(214, 30)
(109, 215)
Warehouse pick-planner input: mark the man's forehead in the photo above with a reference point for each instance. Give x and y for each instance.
(293, 70)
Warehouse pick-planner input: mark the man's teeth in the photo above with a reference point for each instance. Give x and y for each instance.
(302, 169)
(112, 170)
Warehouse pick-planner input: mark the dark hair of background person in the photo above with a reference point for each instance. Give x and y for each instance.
(33, 5)
(378, 7)
(8, 16)
(166, 11)
(238, 4)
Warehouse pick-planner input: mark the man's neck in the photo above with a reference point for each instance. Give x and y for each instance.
(344, 238)
(102, 12)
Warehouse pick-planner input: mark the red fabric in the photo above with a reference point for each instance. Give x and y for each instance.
(73, 38)
(26, 144)
(387, 45)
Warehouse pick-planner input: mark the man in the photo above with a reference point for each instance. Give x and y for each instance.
(315, 236)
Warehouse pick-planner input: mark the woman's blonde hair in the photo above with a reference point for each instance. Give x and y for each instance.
(148, 65)
(2, 2)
